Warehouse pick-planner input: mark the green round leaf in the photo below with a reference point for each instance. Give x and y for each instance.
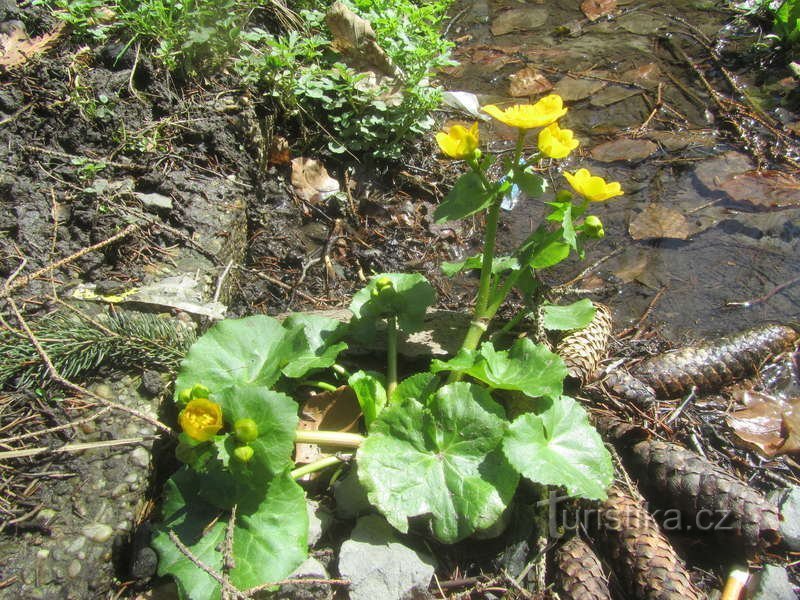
(322, 346)
(566, 318)
(411, 298)
(442, 461)
(558, 446)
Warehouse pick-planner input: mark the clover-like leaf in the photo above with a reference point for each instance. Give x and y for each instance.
(566, 318)
(467, 197)
(558, 446)
(322, 345)
(268, 542)
(527, 367)
(249, 351)
(408, 298)
(442, 462)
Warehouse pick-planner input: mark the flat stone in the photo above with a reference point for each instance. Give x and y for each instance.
(319, 519)
(713, 173)
(613, 94)
(519, 19)
(379, 566)
(155, 201)
(773, 584)
(573, 88)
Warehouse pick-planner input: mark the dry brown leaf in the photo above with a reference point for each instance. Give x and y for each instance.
(768, 423)
(327, 411)
(629, 149)
(646, 75)
(528, 82)
(763, 189)
(311, 181)
(573, 88)
(594, 9)
(657, 221)
(16, 47)
(279, 151)
(355, 38)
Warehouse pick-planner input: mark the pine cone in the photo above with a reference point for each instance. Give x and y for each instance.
(582, 350)
(627, 386)
(644, 561)
(579, 574)
(710, 366)
(674, 477)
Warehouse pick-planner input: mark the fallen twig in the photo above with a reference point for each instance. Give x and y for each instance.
(78, 447)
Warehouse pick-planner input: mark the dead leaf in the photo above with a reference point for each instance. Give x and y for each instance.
(646, 75)
(714, 172)
(594, 9)
(528, 82)
(769, 423)
(657, 221)
(355, 39)
(311, 181)
(628, 149)
(16, 47)
(492, 58)
(327, 411)
(279, 152)
(763, 189)
(519, 19)
(576, 88)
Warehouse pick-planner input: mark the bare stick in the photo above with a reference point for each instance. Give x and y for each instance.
(765, 297)
(227, 588)
(55, 376)
(228, 562)
(10, 285)
(80, 447)
(23, 436)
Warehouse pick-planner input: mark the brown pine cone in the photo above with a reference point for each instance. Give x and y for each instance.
(628, 387)
(674, 477)
(579, 574)
(644, 561)
(710, 366)
(582, 350)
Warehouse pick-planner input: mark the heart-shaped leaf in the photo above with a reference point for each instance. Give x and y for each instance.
(322, 345)
(527, 367)
(442, 461)
(467, 197)
(370, 392)
(268, 543)
(408, 300)
(558, 446)
(566, 318)
(249, 351)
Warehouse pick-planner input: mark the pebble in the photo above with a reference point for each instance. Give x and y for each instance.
(773, 584)
(74, 569)
(98, 532)
(140, 457)
(103, 390)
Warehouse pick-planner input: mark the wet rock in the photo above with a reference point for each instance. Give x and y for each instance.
(519, 19)
(613, 94)
(773, 584)
(571, 88)
(624, 149)
(788, 502)
(716, 171)
(379, 566)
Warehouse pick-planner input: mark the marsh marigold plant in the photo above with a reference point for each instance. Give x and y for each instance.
(592, 187)
(201, 419)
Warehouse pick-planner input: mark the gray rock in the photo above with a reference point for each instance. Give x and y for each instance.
(319, 519)
(774, 584)
(155, 201)
(140, 457)
(788, 501)
(379, 566)
(311, 568)
(351, 497)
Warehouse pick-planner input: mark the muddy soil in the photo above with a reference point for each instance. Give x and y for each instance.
(94, 141)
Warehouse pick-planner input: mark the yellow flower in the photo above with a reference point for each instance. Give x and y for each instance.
(459, 142)
(555, 142)
(528, 116)
(201, 419)
(592, 187)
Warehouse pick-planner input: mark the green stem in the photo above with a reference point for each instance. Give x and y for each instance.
(329, 438)
(340, 370)
(391, 355)
(511, 323)
(317, 465)
(323, 385)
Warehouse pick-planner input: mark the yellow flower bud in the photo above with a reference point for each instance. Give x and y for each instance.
(591, 187)
(555, 142)
(245, 430)
(201, 419)
(529, 116)
(459, 142)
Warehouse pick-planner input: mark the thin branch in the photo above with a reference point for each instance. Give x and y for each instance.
(227, 587)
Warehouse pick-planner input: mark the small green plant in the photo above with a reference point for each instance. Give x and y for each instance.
(440, 445)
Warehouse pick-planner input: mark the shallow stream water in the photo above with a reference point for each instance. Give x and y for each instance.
(688, 171)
